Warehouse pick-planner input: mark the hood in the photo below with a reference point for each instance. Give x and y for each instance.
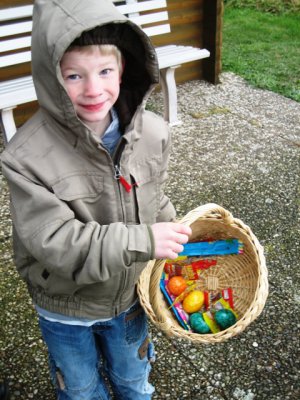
(56, 24)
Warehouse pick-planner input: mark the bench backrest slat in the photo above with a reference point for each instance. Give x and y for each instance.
(16, 58)
(149, 18)
(15, 29)
(11, 85)
(157, 30)
(15, 44)
(8, 14)
(147, 14)
(137, 7)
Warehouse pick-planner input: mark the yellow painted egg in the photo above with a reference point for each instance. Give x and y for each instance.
(193, 301)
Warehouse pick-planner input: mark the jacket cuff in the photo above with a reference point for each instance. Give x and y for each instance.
(152, 241)
(140, 242)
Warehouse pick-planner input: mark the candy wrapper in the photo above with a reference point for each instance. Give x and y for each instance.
(189, 268)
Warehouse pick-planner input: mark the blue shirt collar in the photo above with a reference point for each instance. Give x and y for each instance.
(112, 134)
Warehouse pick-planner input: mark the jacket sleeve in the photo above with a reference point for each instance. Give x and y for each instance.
(47, 227)
(167, 211)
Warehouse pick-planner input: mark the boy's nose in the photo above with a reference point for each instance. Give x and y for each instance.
(93, 87)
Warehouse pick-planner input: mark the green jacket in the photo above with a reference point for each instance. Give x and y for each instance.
(80, 240)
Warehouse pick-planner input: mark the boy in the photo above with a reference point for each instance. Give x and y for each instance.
(86, 177)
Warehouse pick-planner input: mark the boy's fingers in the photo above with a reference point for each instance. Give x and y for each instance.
(179, 228)
(176, 247)
(172, 255)
(182, 233)
(170, 238)
(181, 238)
(174, 250)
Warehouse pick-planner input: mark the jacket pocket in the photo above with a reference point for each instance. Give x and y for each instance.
(146, 175)
(38, 276)
(78, 185)
(82, 192)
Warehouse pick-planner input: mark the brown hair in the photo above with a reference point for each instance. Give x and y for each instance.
(105, 50)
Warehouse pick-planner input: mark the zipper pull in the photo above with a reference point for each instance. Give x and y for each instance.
(118, 175)
(127, 186)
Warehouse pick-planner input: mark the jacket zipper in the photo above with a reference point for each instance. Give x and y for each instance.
(116, 164)
(121, 181)
(118, 174)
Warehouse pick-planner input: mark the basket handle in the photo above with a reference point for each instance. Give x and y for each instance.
(209, 210)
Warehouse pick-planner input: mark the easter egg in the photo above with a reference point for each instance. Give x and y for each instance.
(177, 285)
(225, 318)
(193, 301)
(198, 324)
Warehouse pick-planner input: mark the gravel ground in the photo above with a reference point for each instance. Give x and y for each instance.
(238, 147)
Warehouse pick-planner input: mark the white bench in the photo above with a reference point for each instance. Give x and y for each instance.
(15, 49)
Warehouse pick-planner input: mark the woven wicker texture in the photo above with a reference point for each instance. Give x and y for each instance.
(245, 273)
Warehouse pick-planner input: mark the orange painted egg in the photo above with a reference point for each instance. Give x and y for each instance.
(177, 285)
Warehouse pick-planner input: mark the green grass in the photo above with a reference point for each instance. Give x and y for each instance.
(272, 6)
(263, 48)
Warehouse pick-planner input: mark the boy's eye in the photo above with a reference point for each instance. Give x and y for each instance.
(72, 77)
(105, 71)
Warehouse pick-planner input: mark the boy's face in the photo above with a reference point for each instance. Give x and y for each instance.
(92, 81)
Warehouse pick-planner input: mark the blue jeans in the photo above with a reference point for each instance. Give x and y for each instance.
(79, 355)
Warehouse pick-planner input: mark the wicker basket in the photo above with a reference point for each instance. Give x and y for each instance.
(246, 274)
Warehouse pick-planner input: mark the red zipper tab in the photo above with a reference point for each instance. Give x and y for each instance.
(118, 175)
(127, 186)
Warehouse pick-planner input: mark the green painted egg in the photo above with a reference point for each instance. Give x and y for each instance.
(225, 318)
(198, 324)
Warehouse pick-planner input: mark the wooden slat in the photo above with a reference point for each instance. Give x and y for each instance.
(136, 7)
(7, 86)
(12, 13)
(15, 29)
(26, 11)
(150, 18)
(17, 58)
(173, 55)
(142, 6)
(157, 30)
(14, 44)
(21, 88)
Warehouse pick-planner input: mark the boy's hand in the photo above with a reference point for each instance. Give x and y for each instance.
(169, 238)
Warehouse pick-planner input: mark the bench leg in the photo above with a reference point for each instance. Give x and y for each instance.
(8, 125)
(168, 84)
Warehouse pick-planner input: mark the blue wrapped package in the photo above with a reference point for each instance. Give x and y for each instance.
(213, 248)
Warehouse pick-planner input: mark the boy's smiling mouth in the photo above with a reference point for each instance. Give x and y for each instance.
(92, 107)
